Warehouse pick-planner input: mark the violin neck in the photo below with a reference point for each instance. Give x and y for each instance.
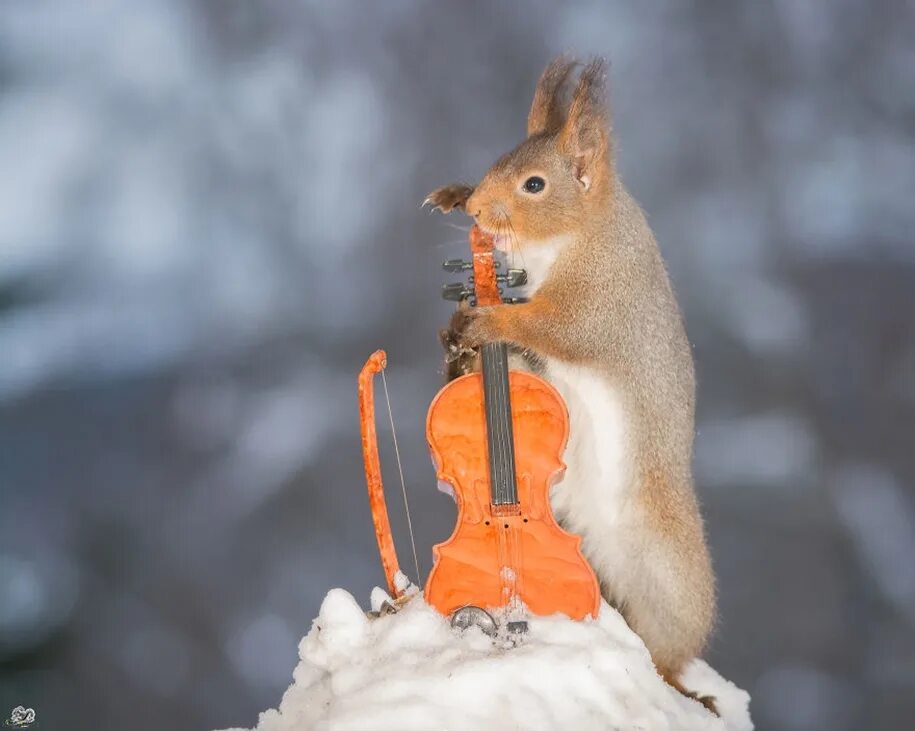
(499, 435)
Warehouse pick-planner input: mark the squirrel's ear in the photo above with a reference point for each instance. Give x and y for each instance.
(585, 136)
(546, 109)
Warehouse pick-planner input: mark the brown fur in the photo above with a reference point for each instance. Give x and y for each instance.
(607, 304)
(546, 115)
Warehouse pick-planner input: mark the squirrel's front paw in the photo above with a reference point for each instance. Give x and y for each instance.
(449, 197)
(460, 358)
(474, 326)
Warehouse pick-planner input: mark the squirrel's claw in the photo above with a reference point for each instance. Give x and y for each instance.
(449, 197)
(459, 359)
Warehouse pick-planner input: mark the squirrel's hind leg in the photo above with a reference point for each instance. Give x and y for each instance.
(668, 591)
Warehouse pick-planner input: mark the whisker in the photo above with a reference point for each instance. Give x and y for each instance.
(516, 243)
(453, 242)
(465, 229)
(512, 241)
(503, 230)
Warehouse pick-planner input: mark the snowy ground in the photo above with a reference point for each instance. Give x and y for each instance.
(412, 671)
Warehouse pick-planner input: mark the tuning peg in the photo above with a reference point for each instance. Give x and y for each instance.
(513, 278)
(456, 292)
(517, 277)
(456, 265)
(515, 300)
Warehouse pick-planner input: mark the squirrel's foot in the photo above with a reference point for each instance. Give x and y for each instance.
(449, 197)
(390, 606)
(706, 700)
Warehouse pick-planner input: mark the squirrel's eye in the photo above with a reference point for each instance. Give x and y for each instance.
(534, 184)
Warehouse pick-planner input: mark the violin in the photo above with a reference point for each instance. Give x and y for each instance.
(496, 438)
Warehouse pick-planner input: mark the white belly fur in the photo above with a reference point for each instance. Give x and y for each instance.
(592, 495)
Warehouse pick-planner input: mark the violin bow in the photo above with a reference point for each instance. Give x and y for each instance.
(376, 363)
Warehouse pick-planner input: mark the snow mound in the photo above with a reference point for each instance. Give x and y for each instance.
(412, 671)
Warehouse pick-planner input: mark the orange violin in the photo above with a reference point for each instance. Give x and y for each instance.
(497, 439)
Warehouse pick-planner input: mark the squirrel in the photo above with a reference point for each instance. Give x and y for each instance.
(603, 326)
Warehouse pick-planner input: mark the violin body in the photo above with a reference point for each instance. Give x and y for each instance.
(499, 553)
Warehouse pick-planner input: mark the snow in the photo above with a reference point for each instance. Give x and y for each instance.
(411, 670)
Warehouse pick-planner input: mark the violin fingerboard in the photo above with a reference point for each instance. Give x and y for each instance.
(501, 440)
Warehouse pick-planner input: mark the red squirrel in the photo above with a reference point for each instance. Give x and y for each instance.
(603, 326)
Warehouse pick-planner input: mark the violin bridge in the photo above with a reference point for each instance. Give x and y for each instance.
(505, 511)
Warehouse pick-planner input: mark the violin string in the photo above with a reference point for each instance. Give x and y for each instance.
(498, 374)
(494, 415)
(506, 430)
(500, 415)
(497, 436)
(488, 404)
(515, 246)
(403, 484)
(450, 243)
(500, 401)
(503, 433)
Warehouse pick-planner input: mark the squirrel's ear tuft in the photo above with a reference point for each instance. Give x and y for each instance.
(585, 136)
(546, 109)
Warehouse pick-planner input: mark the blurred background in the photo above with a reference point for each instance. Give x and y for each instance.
(209, 218)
